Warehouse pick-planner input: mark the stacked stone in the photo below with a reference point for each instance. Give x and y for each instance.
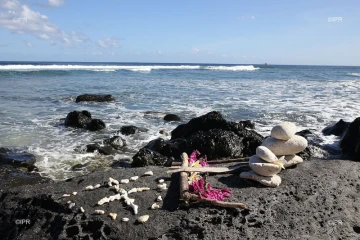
(277, 152)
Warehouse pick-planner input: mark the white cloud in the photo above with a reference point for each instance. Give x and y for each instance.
(195, 51)
(56, 3)
(21, 19)
(157, 53)
(28, 44)
(109, 43)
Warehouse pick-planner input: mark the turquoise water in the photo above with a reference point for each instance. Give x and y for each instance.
(34, 97)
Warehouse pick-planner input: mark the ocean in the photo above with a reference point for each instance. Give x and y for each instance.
(35, 97)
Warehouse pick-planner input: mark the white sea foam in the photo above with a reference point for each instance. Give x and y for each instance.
(19, 67)
(354, 74)
(232, 68)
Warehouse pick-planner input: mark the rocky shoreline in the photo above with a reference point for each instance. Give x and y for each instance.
(317, 201)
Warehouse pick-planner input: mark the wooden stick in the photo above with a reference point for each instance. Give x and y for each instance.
(184, 184)
(207, 169)
(218, 203)
(219, 161)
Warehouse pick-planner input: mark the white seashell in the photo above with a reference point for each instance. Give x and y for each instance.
(159, 198)
(66, 195)
(103, 200)
(129, 201)
(97, 186)
(132, 190)
(124, 180)
(71, 205)
(74, 193)
(273, 181)
(155, 206)
(117, 196)
(162, 186)
(82, 209)
(89, 188)
(99, 212)
(143, 218)
(113, 216)
(113, 181)
(125, 219)
(283, 131)
(111, 198)
(134, 207)
(148, 173)
(121, 191)
(134, 178)
(161, 180)
(262, 167)
(142, 189)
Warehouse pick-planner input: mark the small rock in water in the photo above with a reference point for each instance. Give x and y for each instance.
(161, 180)
(99, 212)
(89, 187)
(97, 186)
(71, 205)
(143, 219)
(124, 181)
(148, 173)
(134, 178)
(125, 219)
(159, 199)
(113, 216)
(284, 131)
(74, 193)
(66, 195)
(82, 209)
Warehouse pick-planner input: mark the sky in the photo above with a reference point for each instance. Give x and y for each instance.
(307, 32)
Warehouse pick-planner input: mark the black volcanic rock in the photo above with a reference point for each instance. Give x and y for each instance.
(94, 98)
(206, 122)
(116, 142)
(105, 149)
(210, 134)
(247, 124)
(350, 143)
(96, 125)
(146, 157)
(215, 143)
(83, 119)
(18, 159)
(130, 129)
(172, 117)
(338, 129)
(78, 119)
